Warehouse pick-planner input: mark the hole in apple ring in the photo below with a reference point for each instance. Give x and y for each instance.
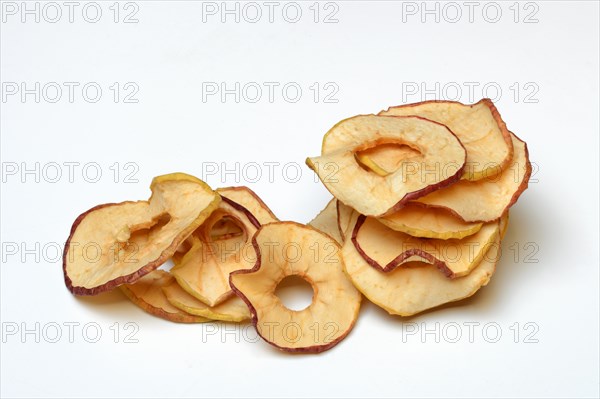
(130, 240)
(295, 293)
(385, 158)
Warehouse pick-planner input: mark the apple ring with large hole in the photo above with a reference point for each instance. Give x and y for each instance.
(290, 249)
(440, 162)
(478, 126)
(115, 244)
(416, 286)
(203, 271)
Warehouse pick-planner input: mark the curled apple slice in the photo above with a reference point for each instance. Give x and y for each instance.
(440, 163)
(416, 286)
(290, 249)
(478, 126)
(386, 249)
(114, 244)
(203, 271)
(428, 222)
(251, 201)
(486, 199)
(233, 309)
(327, 221)
(147, 294)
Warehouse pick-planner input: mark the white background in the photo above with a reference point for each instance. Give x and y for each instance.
(376, 54)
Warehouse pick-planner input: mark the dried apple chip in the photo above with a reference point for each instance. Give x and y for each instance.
(327, 221)
(478, 126)
(386, 249)
(428, 222)
(147, 294)
(114, 244)
(416, 286)
(251, 201)
(290, 249)
(440, 163)
(487, 199)
(203, 271)
(232, 310)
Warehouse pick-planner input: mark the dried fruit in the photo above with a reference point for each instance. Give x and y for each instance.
(286, 249)
(478, 126)
(416, 286)
(251, 201)
(487, 199)
(114, 244)
(440, 163)
(233, 309)
(386, 249)
(203, 271)
(344, 214)
(429, 222)
(147, 294)
(327, 221)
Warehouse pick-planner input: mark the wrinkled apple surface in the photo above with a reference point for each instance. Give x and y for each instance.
(232, 310)
(440, 162)
(386, 249)
(478, 126)
(114, 244)
(290, 249)
(486, 199)
(428, 222)
(147, 294)
(416, 286)
(327, 221)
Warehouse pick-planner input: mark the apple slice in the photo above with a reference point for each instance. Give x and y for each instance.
(478, 126)
(251, 201)
(440, 163)
(203, 271)
(114, 244)
(427, 222)
(344, 213)
(232, 310)
(416, 286)
(386, 249)
(327, 221)
(147, 294)
(487, 199)
(290, 249)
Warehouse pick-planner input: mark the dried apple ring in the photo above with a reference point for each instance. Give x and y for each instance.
(416, 286)
(478, 126)
(291, 249)
(386, 249)
(114, 244)
(440, 162)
